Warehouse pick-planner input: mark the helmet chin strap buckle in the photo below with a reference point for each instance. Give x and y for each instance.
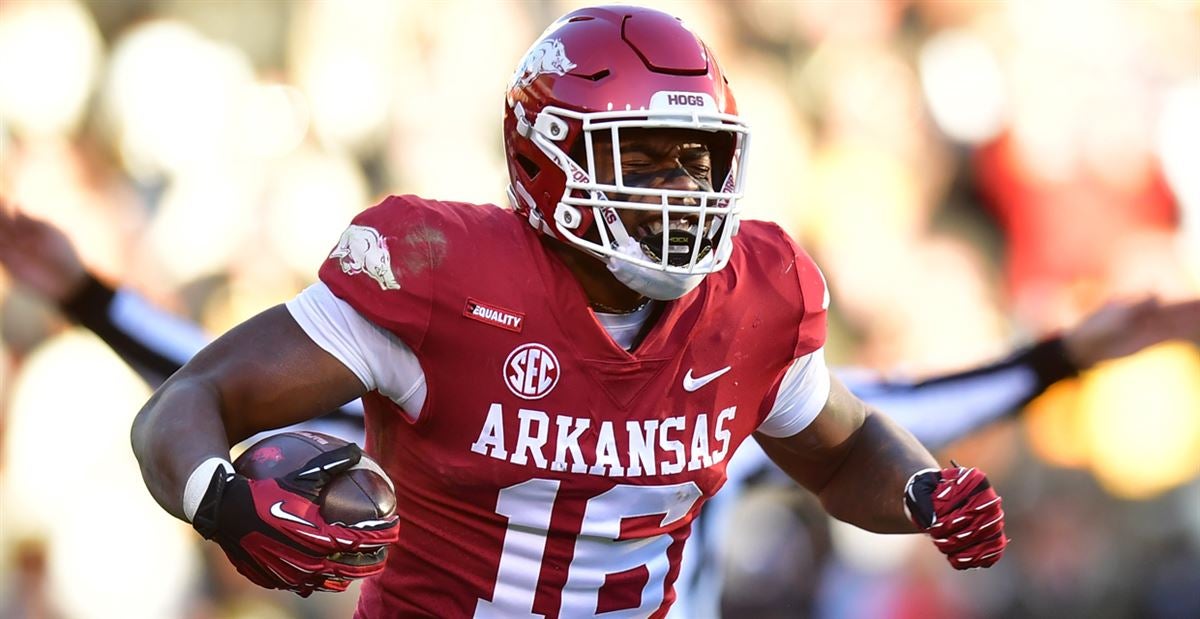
(550, 126)
(545, 124)
(567, 216)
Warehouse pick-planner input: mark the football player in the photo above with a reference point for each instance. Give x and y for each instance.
(589, 360)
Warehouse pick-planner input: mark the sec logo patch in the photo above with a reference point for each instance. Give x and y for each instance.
(531, 371)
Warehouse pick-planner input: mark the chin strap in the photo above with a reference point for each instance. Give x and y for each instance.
(658, 285)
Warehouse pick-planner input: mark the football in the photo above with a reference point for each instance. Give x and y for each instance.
(362, 493)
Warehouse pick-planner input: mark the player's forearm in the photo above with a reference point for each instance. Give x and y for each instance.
(150, 340)
(175, 431)
(943, 409)
(867, 489)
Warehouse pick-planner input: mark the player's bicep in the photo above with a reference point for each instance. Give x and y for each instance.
(812, 455)
(268, 373)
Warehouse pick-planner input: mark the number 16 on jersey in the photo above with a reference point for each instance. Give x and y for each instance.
(598, 551)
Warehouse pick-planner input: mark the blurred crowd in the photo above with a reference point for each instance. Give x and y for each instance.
(969, 175)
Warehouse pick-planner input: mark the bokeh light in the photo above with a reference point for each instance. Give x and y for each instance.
(1178, 141)
(50, 55)
(173, 96)
(76, 485)
(311, 194)
(964, 86)
(1142, 424)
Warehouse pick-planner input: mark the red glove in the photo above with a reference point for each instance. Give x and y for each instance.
(273, 533)
(961, 511)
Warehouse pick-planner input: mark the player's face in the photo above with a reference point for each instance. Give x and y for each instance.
(657, 159)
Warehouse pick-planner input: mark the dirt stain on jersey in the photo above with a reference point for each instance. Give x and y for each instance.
(424, 249)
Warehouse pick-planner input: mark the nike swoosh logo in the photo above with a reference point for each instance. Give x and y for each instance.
(691, 384)
(278, 511)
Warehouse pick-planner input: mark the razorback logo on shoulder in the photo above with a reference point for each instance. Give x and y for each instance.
(363, 250)
(494, 315)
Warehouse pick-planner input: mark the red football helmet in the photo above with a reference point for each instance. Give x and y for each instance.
(607, 69)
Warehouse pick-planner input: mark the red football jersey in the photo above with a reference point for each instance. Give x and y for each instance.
(551, 472)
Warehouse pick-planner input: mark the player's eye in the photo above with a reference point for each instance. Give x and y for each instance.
(697, 163)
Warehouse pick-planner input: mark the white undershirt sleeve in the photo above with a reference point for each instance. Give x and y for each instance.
(801, 396)
(376, 356)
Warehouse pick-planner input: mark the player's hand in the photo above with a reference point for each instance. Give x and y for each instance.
(961, 511)
(38, 255)
(273, 533)
(1120, 329)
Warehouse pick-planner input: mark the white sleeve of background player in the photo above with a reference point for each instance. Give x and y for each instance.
(377, 357)
(801, 396)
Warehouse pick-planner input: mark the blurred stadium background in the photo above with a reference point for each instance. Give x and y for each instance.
(970, 175)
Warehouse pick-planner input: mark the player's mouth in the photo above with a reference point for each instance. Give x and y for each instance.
(681, 240)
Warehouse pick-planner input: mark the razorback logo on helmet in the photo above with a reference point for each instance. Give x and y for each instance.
(363, 250)
(531, 371)
(547, 56)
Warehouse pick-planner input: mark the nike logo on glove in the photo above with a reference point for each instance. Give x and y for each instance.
(691, 384)
(278, 511)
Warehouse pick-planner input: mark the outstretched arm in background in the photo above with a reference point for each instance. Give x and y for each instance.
(39, 256)
(943, 409)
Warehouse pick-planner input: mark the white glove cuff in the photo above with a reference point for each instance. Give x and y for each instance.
(197, 484)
